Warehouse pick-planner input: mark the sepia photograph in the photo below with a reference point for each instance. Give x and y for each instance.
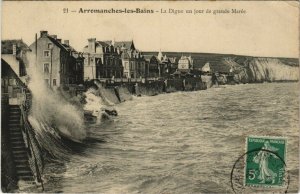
(150, 97)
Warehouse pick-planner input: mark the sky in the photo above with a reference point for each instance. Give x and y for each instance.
(266, 29)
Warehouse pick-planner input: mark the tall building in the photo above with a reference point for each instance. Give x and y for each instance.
(108, 59)
(153, 66)
(102, 60)
(133, 61)
(58, 63)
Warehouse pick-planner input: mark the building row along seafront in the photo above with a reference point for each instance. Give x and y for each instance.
(61, 65)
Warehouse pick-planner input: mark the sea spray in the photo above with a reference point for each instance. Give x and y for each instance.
(51, 116)
(97, 106)
(49, 139)
(94, 103)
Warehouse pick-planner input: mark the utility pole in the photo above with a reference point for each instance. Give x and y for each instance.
(51, 51)
(35, 50)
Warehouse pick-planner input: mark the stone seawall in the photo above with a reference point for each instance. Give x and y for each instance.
(150, 89)
(120, 92)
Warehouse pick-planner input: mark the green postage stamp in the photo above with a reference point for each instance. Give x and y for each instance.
(265, 161)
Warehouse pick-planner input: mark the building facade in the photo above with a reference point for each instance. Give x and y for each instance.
(133, 61)
(15, 53)
(102, 60)
(110, 59)
(14, 61)
(153, 66)
(185, 64)
(58, 63)
(160, 65)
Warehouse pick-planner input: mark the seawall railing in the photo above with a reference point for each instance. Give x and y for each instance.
(36, 161)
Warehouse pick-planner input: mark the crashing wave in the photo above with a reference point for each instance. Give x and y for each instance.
(51, 116)
(97, 107)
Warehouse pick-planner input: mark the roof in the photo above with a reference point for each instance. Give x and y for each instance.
(127, 44)
(69, 48)
(165, 59)
(8, 71)
(103, 43)
(7, 46)
(150, 57)
(109, 42)
(106, 43)
(65, 47)
(57, 43)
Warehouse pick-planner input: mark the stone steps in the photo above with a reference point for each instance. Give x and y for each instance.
(18, 147)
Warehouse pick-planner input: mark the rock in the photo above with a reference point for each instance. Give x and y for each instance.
(112, 112)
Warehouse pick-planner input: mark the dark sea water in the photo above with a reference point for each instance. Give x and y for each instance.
(184, 142)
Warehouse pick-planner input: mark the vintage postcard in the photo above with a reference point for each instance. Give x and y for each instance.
(150, 96)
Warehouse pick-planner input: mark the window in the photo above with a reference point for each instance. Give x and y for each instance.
(46, 53)
(46, 67)
(54, 82)
(50, 45)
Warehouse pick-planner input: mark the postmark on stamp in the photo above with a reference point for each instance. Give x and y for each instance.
(266, 166)
(262, 168)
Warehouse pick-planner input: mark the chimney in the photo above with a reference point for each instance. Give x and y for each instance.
(14, 49)
(66, 42)
(44, 34)
(91, 45)
(58, 40)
